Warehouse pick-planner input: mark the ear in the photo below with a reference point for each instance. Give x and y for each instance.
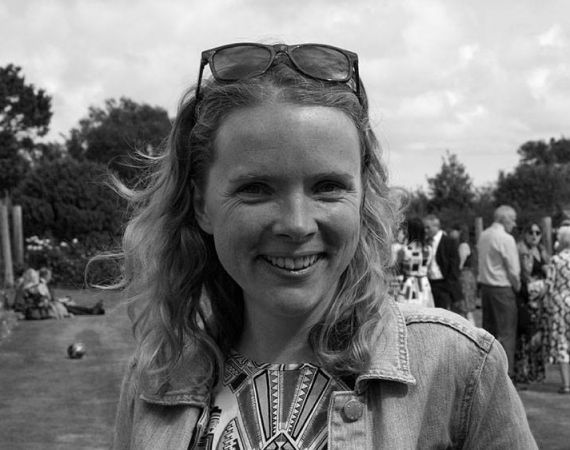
(202, 217)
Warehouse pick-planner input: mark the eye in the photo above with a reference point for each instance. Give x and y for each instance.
(330, 187)
(253, 190)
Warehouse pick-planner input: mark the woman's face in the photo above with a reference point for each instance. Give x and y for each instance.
(533, 235)
(282, 202)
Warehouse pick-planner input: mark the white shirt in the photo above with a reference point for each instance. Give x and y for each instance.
(434, 271)
(498, 258)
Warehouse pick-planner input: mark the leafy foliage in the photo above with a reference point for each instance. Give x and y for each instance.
(68, 262)
(452, 187)
(67, 199)
(112, 134)
(25, 114)
(536, 190)
(539, 153)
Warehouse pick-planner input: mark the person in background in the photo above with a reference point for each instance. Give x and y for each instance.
(33, 298)
(499, 280)
(531, 354)
(395, 276)
(255, 266)
(415, 258)
(64, 306)
(443, 269)
(558, 307)
(467, 268)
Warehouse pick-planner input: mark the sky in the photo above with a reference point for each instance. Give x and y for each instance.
(475, 78)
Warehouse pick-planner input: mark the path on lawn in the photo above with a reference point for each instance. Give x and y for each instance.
(48, 401)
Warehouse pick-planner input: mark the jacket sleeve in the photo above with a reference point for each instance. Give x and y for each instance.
(497, 419)
(125, 409)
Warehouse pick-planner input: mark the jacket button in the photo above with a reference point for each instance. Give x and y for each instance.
(353, 410)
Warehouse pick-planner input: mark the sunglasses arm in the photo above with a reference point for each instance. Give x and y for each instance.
(357, 79)
(203, 63)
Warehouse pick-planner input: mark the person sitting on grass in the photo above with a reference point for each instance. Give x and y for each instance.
(36, 301)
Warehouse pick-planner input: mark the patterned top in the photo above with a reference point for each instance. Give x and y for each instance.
(270, 407)
(558, 304)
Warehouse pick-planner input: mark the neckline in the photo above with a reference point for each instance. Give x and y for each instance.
(236, 356)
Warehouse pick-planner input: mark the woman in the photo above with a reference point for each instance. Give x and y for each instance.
(467, 266)
(258, 255)
(530, 354)
(558, 306)
(415, 258)
(36, 300)
(33, 297)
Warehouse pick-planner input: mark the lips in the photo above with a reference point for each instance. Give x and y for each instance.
(292, 263)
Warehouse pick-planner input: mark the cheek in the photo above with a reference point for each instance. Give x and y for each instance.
(345, 229)
(236, 231)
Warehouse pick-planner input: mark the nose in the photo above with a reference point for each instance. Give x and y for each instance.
(297, 218)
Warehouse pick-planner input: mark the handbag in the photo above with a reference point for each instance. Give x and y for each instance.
(524, 313)
(524, 319)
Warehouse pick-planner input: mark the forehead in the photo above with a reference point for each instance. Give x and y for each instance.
(267, 135)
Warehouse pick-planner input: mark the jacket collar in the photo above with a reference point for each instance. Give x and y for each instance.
(389, 361)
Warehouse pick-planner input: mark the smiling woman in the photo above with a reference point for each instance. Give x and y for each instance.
(258, 253)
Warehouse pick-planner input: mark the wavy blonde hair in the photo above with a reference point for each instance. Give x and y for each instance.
(180, 294)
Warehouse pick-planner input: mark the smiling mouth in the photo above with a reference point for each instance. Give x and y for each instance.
(292, 264)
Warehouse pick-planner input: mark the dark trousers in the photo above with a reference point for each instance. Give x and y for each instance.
(500, 318)
(441, 296)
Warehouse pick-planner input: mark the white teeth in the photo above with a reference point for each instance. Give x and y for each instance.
(292, 263)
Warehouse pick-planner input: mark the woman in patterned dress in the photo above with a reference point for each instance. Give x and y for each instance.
(558, 305)
(531, 352)
(415, 258)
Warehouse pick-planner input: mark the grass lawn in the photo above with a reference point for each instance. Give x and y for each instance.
(49, 401)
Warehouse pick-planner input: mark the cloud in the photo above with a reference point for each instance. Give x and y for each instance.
(476, 78)
(553, 37)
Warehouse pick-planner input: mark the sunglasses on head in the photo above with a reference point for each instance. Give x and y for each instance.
(235, 62)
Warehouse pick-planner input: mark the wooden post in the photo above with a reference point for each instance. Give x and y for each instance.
(18, 235)
(478, 228)
(546, 226)
(6, 250)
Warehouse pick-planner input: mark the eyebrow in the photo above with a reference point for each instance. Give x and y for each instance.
(265, 176)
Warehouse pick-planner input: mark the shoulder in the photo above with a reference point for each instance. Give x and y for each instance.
(507, 240)
(446, 350)
(444, 327)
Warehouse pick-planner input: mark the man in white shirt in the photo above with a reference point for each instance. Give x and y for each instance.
(499, 278)
(443, 269)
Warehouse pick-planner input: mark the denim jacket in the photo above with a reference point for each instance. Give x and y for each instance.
(435, 381)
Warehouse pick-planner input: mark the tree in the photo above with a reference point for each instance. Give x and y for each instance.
(112, 134)
(25, 114)
(541, 153)
(535, 190)
(452, 187)
(417, 205)
(68, 199)
(540, 184)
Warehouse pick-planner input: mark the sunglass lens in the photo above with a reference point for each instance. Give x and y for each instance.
(321, 62)
(240, 62)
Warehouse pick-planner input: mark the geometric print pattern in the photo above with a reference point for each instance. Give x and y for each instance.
(558, 306)
(279, 407)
